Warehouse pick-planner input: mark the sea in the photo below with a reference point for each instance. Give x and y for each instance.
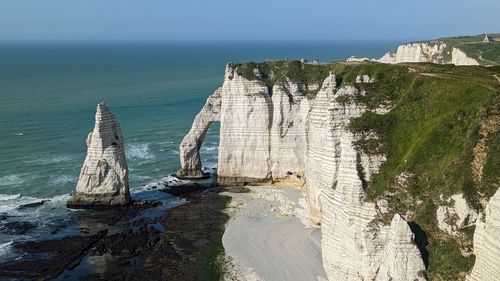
(48, 97)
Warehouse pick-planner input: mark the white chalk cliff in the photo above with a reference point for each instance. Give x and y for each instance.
(487, 243)
(103, 178)
(191, 144)
(455, 214)
(416, 52)
(278, 134)
(431, 51)
(245, 121)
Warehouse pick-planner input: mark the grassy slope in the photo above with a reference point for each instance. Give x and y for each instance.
(430, 134)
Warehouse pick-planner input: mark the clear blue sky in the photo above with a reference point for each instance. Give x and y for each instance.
(244, 19)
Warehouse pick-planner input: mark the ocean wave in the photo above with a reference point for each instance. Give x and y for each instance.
(211, 148)
(10, 204)
(161, 184)
(5, 197)
(165, 142)
(11, 180)
(5, 247)
(139, 151)
(18, 134)
(58, 200)
(51, 160)
(175, 151)
(140, 178)
(63, 179)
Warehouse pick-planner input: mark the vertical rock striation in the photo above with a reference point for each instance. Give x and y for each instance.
(288, 133)
(191, 144)
(487, 243)
(401, 258)
(246, 119)
(104, 175)
(322, 156)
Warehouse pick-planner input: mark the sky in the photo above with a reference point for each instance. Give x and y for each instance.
(246, 20)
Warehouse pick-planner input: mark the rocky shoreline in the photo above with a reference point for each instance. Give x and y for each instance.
(133, 243)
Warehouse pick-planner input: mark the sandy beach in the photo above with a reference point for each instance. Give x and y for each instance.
(268, 237)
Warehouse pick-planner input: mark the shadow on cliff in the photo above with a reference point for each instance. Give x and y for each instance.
(421, 241)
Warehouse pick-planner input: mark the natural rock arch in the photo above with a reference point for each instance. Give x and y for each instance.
(191, 144)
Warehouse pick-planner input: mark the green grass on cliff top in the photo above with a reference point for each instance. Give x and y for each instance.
(430, 134)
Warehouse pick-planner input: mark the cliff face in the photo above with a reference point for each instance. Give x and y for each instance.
(191, 144)
(322, 156)
(487, 243)
(104, 174)
(288, 133)
(432, 51)
(458, 57)
(278, 134)
(356, 246)
(246, 119)
(416, 52)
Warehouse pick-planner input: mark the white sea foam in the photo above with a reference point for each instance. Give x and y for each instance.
(18, 134)
(165, 142)
(5, 197)
(51, 160)
(139, 151)
(140, 178)
(58, 200)
(63, 179)
(11, 180)
(10, 203)
(211, 148)
(161, 184)
(175, 151)
(5, 248)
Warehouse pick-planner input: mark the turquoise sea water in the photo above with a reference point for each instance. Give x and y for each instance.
(49, 91)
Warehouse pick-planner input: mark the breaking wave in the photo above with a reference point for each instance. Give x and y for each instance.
(161, 184)
(138, 151)
(63, 179)
(11, 180)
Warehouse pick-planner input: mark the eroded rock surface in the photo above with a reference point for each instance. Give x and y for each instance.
(322, 156)
(288, 133)
(104, 175)
(401, 259)
(431, 51)
(456, 214)
(246, 119)
(191, 144)
(458, 57)
(416, 52)
(487, 243)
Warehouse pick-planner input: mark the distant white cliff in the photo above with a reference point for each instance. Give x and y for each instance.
(429, 51)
